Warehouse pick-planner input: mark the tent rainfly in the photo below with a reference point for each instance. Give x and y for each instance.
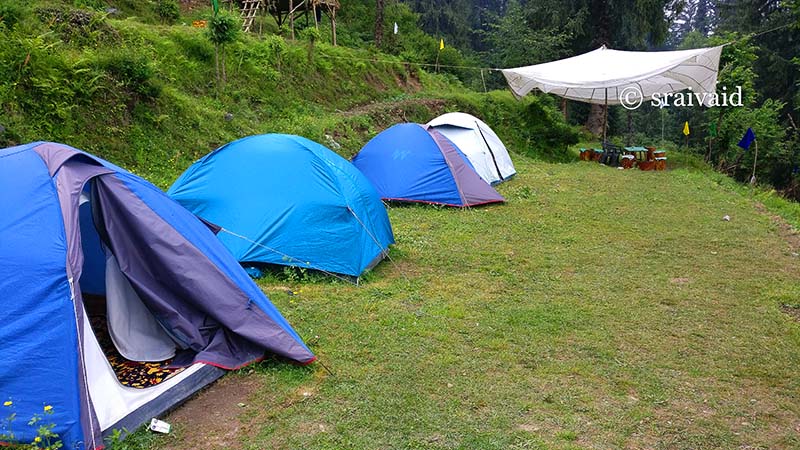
(602, 75)
(480, 145)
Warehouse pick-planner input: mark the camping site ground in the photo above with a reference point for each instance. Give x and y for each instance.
(597, 308)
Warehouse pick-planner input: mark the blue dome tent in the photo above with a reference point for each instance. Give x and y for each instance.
(283, 199)
(85, 240)
(415, 163)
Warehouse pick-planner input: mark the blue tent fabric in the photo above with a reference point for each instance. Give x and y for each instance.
(38, 329)
(283, 199)
(412, 162)
(191, 284)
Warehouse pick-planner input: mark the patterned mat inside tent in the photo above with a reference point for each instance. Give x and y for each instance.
(133, 374)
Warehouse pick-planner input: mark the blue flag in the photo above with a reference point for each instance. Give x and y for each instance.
(747, 139)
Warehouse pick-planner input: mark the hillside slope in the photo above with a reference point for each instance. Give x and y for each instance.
(144, 96)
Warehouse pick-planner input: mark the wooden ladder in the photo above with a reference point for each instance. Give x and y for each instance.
(249, 12)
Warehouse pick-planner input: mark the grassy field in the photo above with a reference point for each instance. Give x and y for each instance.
(596, 309)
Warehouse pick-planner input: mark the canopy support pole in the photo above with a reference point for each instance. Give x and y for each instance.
(605, 118)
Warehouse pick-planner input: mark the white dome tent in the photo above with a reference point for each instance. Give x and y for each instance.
(479, 144)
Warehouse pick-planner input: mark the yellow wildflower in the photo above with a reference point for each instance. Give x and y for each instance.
(8, 403)
(37, 439)
(48, 408)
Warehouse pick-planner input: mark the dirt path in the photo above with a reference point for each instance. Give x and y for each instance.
(785, 230)
(394, 108)
(210, 420)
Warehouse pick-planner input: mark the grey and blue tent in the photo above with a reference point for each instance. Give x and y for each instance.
(410, 162)
(102, 272)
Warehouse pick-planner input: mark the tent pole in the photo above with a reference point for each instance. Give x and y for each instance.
(605, 118)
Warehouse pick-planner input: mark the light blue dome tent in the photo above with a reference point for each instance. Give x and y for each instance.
(283, 199)
(81, 237)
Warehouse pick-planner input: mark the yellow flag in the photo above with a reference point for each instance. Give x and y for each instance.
(441, 44)
(686, 128)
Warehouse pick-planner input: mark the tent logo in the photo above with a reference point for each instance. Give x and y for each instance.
(632, 98)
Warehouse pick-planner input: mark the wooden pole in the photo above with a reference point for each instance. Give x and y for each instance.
(314, 11)
(291, 17)
(333, 24)
(605, 117)
(261, 22)
(630, 127)
(755, 161)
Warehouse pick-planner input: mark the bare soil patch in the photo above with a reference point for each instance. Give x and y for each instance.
(786, 230)
(210, 420)
(395, 109)
(791, 310)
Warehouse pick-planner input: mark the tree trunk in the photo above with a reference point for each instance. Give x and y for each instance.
(602, 29)
(602, 36)
(333, 26)
(630, 128)
(224, 72)
(379, 22)
(595, 121)
(291, 17)
(216, 62)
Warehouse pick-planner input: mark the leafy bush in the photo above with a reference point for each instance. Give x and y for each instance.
(168, 10)
(11, 12)
(223, 28)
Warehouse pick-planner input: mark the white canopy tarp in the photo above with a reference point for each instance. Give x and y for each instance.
(604, 75)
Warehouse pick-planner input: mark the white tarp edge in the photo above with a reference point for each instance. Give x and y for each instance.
(607, 74)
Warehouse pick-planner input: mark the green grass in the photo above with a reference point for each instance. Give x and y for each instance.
(598, 308)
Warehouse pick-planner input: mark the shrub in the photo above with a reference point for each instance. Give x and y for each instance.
(168, 10)
(11, 12)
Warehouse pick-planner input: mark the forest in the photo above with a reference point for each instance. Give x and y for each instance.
(761, 55)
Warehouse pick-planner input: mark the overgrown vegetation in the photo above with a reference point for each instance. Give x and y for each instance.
(145, 97)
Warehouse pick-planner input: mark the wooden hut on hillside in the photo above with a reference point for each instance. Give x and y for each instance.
(287, 12)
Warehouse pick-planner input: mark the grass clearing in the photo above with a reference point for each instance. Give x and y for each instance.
(598, 308)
